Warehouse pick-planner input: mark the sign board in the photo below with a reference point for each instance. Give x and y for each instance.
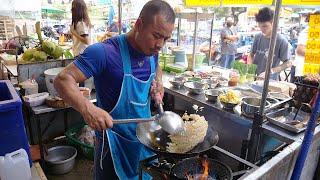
(312, 55)
(300, 2)
(191, 3)
(246, 2)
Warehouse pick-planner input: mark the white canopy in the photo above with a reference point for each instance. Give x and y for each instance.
(20, 5)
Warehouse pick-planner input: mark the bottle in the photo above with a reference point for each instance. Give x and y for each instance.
(233, 78)
(30, 86)
(15, 165)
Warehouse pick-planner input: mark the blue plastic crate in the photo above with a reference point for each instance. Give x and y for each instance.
(12, 130)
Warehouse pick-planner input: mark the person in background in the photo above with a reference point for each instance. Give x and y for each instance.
(297, 68)
(260, 47)
(127, 74)
(80, 27)
(114, 26)
(229, 40)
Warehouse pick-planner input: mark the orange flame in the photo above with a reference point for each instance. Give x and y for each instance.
(205, 174)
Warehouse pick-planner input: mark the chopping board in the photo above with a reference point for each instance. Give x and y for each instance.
(55, 102)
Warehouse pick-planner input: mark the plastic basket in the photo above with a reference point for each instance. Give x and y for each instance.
(86, 149)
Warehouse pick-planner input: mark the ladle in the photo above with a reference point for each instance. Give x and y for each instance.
(171, 122)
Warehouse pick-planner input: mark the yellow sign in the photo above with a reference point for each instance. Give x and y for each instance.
(314, 20)
(313, 33)
(313, 45)
(312, 56)
(246, 2)
(202, 3)
(301, 2)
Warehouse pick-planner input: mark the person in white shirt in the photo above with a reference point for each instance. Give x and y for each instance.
(297, 69)
(80, 27)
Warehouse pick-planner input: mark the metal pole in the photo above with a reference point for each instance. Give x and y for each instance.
(194, 40)
(258, 118)
(210, 43)
(120, 15)
(178, 31)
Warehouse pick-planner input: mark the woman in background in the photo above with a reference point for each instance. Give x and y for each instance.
(80, 27)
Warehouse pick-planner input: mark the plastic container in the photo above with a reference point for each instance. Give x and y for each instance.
(86, 149)
(12, 130)
(15, 165)
(199, 57)
(36, 99)
(30, 86)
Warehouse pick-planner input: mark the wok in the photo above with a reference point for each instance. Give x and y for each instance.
(155, 138)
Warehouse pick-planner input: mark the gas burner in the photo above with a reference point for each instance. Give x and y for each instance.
(160, 167)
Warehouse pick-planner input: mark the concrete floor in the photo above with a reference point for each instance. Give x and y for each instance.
(82, 170)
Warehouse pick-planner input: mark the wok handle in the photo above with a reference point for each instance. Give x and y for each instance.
(125, 121)
(160, 108)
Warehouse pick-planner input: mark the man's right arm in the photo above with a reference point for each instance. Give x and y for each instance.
(66, 85)
(301, 50)
(89, 63)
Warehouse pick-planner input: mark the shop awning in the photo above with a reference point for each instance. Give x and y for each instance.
(51, 10)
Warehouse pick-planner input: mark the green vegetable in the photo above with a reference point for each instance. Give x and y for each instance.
(48, 47)
(58, 51)
(28, 54)
(67, 54)
(252, 68)
(39, 56)
(240, 66)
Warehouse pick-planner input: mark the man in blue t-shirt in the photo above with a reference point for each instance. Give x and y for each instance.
(126, 73)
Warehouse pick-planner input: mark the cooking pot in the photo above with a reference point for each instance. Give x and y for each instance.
(251, 105)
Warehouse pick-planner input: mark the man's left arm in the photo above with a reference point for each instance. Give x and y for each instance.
(285, 57)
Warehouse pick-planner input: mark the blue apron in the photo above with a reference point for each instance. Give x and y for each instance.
(134, 102)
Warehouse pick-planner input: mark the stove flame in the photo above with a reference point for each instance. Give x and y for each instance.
(205, 165)
(204, 176)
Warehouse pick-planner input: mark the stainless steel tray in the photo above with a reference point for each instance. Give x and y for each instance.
(280, 116)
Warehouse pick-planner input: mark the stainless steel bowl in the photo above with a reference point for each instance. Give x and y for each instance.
(176, 84)
(211, 83)
(251, 105)
(212, 95)
(223, 82)
(215, 74)
(195, 87)
(179, 78)
(228, 106)
(60, 159)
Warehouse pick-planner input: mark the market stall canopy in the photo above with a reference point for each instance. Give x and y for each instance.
(20, 5)
(206, 3)
(285, 12)
(51, 10)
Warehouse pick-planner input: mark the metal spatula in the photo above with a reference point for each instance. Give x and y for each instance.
(169, 121)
